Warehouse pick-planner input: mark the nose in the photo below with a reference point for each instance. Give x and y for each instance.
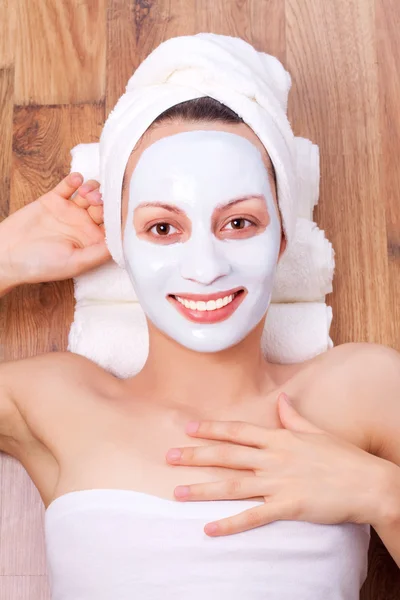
(203, 262)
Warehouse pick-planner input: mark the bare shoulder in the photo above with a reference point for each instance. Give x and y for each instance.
(41, 372)
(353, 390)
(367, 367)
(38, 386)
(367, 350)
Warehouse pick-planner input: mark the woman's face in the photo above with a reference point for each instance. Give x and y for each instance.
(201, 232)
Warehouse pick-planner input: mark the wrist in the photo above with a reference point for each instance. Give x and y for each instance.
(7, 281)
(387, 512)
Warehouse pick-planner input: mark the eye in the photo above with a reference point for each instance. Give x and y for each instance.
(237, 224)
(163, 229)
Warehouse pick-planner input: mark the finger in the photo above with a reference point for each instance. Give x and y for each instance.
(84, 259)
(94, 198)
(218, 455)
(239, 432)
(67, 186)
(228, 489)
(292, 420)
(249, 519)
(88, 194)
(96, 213)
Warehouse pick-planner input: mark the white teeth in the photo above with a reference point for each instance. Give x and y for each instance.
(226, 300)
(203, 306)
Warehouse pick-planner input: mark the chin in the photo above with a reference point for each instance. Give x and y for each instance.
(208, 345)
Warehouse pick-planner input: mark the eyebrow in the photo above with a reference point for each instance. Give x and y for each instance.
(225, 205)
(169, 207)
(218, 208)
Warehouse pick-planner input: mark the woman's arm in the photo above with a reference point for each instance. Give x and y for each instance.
(9, 279)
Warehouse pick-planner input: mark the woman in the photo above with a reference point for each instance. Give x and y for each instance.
(300, 479)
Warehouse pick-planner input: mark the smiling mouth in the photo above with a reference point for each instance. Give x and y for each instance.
(211, 308)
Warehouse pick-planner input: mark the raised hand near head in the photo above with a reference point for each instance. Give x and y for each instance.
(54, 237)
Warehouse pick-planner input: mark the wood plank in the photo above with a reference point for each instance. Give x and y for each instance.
(136, 28)
(6, 127)
(24, 587)
(22, 548)
(331, 55)
(39, 316)
(6, 124)
(60, 51)
(388, 27)
(8, 26)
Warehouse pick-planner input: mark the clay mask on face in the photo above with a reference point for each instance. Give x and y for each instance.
(202, 290)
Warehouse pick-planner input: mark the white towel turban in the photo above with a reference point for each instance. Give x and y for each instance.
(253, 84)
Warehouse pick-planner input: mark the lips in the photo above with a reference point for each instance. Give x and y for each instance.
(211, 308)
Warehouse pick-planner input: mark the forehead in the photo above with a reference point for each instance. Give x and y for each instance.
(213, 166)
(167, 129)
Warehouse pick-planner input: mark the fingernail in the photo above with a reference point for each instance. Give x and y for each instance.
(192, 426)
(182, 491)
(95, 196)
(174, 454)
(76, 178)
(86, 187)
(211, 528)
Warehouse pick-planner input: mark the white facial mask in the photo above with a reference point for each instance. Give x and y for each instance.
(196, 171)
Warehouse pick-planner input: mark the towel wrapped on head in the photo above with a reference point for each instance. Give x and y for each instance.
(255, 85)
(252, 84)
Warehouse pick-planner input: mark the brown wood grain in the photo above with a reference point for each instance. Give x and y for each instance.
(8, 25)
(64, 64)
(387, 39)
(25, 587)
(6, 112)
(335, 102)
(60, 56)
(6, 118)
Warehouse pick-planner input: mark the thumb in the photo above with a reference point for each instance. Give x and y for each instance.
(87, 258)
(291, 419)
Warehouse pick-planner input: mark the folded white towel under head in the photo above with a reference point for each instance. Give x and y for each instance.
(109, 325)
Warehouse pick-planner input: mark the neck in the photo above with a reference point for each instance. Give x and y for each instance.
(180, 377)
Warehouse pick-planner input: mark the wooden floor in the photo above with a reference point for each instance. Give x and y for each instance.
(63, 65)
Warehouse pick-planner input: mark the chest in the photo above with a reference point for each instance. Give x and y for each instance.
(120, 446)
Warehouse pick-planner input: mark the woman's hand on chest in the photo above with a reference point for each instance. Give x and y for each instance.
(301, 471)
